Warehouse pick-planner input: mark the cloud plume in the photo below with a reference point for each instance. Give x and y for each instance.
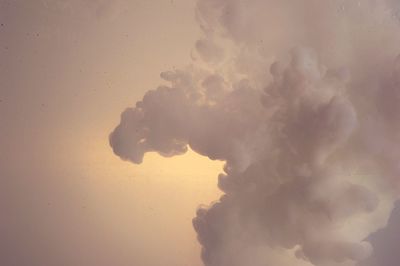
(300, 100)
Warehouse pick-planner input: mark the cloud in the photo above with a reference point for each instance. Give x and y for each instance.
(300, 100)
(385, 242)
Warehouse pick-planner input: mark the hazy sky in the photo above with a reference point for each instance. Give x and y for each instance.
(67, 70)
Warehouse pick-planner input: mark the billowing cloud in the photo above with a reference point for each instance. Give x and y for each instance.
(302, 105)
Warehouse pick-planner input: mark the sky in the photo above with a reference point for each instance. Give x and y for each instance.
(296, 112)
(67, 71)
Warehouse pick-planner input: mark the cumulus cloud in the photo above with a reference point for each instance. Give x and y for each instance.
(300, 99)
